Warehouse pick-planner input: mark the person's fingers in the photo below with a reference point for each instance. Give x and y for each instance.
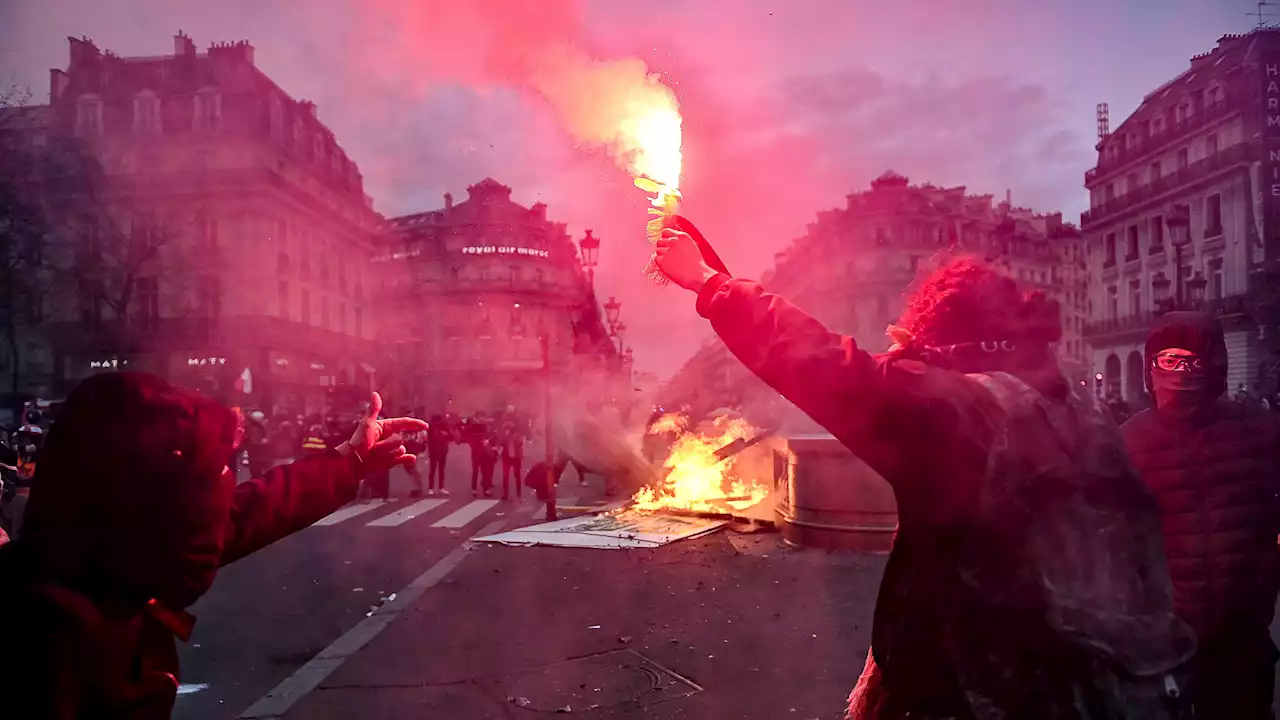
(388, 442)
(375, 405)
(403, 424)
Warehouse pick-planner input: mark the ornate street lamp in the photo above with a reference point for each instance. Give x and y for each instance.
(590, 245)
(1178, 221)
(616, 330)
(611, 310)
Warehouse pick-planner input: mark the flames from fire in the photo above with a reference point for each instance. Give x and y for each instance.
(696, 479)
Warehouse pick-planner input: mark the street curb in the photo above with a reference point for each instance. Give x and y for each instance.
(307, 678)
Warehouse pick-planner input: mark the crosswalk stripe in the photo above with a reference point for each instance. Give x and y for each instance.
(465, 514)
(349, 512)
(404, 515)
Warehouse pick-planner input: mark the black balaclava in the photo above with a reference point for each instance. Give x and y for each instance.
(1177, 393)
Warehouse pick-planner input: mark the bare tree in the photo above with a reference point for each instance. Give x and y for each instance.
(24, 229)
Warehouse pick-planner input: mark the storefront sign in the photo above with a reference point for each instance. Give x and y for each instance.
(206, 361)
(315, 365)
(504, 250)
(1270, 180)
(112, 364)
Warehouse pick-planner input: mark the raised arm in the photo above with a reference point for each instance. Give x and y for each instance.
(291, 497)
(287, 499)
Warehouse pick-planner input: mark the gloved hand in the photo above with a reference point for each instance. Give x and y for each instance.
(376, 443)
(679, 258)
(682, 223)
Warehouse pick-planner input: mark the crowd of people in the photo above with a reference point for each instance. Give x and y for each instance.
(493, 440)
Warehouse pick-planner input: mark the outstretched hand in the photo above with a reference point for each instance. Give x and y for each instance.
(679, 258)
(377, 443)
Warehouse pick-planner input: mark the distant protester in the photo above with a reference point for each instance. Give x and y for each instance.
(132, 514)
(1027, 579)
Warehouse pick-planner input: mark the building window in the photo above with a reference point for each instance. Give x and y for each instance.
(1211, 146)
(1109, 259)
(305, 249)
(1109, 192)
(515, 276)
(1157, 235)
(1131, 245)
(1113, 302)
(282, 300)
(537, 276)
(1216, 280)
(148, 298)
(1182, 159)
(342, 318)
(1213, 215)
(1135, 297)
(453, 274)
(208, 111)
(89, 116)
(146, 113)
(282, 263)
(304, 307)
(357, 316)
(1154, 171)
(324, 312)
(1130, 182)
(882, 236)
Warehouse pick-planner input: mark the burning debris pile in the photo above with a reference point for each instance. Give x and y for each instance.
(701, 470)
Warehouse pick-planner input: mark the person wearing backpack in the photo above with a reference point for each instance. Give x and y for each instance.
(1027, 577)
(1214, 466)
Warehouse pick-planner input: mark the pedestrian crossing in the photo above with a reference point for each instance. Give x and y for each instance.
(439, 513)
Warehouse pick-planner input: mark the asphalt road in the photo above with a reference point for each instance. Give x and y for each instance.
(270, 613)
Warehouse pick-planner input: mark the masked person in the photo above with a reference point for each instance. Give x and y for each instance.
(1214, 466)
(134, 513)
(1027, 577)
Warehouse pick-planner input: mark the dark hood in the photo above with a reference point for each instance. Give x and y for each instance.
(129, 499)
(1198, 332)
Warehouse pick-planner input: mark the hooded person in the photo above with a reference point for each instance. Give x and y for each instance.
(1026, 578)
(133, 514)
(1214, 467)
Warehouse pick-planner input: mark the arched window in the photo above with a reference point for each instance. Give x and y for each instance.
(146, 113)
(208, 110)
(89, 116)
(276, 118)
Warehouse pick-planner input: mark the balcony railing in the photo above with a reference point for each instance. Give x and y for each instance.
(1195, 171)
(1151, 143)
(1231, 305)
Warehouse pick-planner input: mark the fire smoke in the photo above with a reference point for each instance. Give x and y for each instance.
(615, 104)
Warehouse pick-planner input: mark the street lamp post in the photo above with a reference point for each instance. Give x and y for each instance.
(546, 414)
(1179, 223)
(590, 245)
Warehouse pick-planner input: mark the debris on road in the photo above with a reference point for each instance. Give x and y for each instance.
(624, 529)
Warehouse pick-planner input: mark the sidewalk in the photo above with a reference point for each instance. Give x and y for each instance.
(725, 626)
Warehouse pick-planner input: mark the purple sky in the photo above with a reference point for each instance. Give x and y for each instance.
(786, 110)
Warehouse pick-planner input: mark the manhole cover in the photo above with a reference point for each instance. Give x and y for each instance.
(609, 679)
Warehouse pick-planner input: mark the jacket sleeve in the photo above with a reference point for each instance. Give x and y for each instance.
(886, 410)
(287, 499)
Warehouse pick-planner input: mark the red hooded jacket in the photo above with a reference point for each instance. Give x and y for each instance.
(130, 517)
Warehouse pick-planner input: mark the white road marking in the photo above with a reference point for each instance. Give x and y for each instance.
(465, 514)
(404, 515)
(308, 677)
(349, 512)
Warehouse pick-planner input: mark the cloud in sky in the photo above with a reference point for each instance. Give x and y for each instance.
(787, 106)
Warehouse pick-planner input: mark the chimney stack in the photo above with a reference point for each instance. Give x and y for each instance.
(448, 201)
(183, 45)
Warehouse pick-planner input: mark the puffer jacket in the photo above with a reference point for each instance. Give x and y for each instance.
(1215, 478)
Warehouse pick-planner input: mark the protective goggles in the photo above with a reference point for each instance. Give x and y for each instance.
(1177, 363)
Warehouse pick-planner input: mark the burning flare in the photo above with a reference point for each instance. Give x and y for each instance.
(696, 479)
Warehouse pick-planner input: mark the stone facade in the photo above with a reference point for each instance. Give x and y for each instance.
(476, 284)
(229, 231)
(854, 265)
(1192, 149)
